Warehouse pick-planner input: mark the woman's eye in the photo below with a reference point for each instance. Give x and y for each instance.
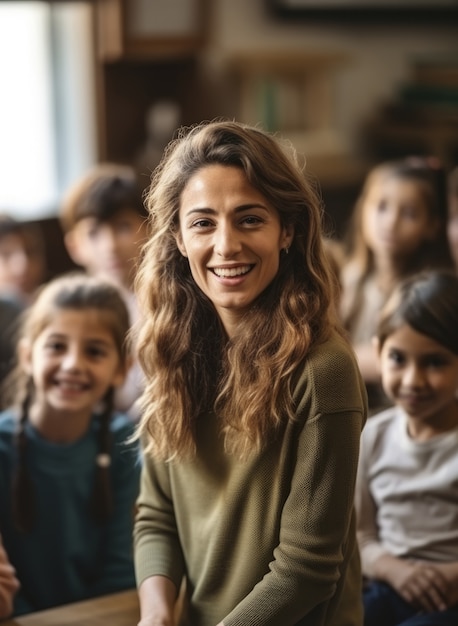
(202, 223)
(251, 220)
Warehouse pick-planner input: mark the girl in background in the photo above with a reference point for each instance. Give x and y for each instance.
(68, 480)
(398, 228)
(407, 487)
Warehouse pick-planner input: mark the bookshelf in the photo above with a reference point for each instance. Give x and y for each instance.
(422, 118)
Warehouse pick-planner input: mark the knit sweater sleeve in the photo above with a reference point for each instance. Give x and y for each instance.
(316, 533)
(157, 548)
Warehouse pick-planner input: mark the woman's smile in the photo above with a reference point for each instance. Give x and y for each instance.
(232, 238)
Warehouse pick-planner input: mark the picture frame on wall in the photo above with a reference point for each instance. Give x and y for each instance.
(389, 10)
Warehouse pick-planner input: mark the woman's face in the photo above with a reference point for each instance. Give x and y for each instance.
(232, 238)
(396, 218)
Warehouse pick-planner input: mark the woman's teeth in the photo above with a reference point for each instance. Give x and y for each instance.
(231, 272)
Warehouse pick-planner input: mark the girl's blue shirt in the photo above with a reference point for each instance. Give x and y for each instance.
(68, 556)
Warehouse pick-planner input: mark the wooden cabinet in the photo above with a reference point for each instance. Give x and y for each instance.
(146, 53)
(149, 29)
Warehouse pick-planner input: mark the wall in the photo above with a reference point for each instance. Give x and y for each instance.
(379, 54)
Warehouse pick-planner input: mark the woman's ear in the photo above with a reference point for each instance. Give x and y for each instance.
(180, 245)
(25, 355)
(288, 235)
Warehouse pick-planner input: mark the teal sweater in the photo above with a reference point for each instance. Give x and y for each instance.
(270, 541)
(68, 557)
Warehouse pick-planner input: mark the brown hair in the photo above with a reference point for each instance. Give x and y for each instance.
(430, 177)
(102, 192)
(72, 291)
(190, 365)
(428, 303)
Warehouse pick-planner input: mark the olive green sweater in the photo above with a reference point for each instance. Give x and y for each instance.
(269, 541)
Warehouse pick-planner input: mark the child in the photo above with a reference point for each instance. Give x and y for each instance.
(68, 480)
(452, 221)
(398, 228)
(103, 219)
(407, 486)
(22, 259)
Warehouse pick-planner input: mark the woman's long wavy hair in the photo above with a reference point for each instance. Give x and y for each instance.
(191, 366)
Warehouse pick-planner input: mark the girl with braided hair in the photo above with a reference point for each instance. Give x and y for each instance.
(68, 479)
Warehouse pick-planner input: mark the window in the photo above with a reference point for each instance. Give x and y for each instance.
(47, 106)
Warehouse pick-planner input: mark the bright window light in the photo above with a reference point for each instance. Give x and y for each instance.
(47, 134)
(27, 179)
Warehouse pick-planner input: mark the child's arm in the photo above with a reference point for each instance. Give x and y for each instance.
(9, 584)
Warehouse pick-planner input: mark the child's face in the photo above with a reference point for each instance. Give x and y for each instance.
(110, 248)
(396, 218)
(452, 228)
(22, 265)
(421, 376)
(73, 362)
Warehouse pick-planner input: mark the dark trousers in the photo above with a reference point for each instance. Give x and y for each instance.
(384, 607)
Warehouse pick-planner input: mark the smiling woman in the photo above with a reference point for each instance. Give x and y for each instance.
(251, 389)
(232, 238)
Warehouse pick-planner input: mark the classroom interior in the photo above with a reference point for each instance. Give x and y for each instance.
(349, 83)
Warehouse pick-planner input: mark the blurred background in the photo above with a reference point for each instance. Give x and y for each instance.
(349, 83)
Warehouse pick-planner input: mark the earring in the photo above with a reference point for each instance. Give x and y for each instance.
(287, 250)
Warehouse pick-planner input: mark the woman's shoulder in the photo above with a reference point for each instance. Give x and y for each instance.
(331, 377)
(333, 352)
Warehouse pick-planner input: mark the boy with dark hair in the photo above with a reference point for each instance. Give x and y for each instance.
(104, 223)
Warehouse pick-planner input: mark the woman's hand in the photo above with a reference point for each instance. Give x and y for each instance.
(9, 584)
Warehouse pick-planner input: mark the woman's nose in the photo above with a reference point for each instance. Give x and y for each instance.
(226, 241)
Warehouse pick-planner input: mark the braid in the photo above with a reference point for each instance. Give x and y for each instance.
(102, 497)
(24, 505)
